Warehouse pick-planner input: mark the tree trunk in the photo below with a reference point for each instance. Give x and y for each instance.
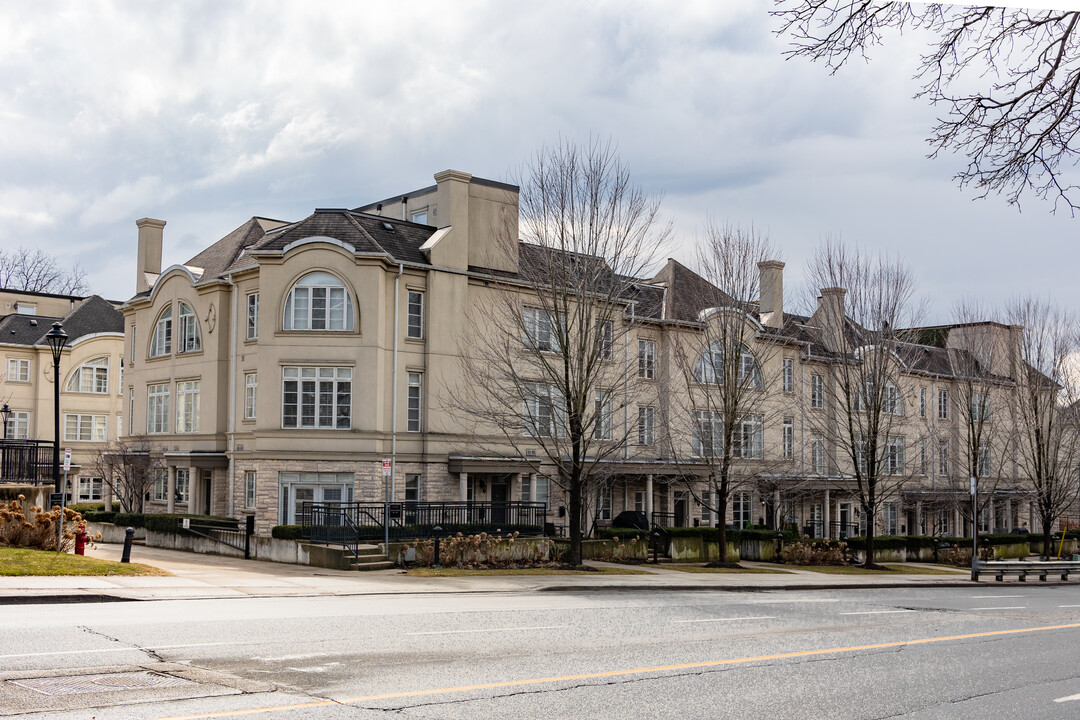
(575, 522)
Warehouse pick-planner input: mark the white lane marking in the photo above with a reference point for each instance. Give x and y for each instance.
(1069, 698)
(985, 597)
(1061, 606)
(1010, 607)
(731, 619)
(109, 650)
(485, 630)
(799, 600)
(876, 612)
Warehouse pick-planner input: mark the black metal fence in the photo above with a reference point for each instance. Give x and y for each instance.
(665, 519)
(26, 461)
(346, 523)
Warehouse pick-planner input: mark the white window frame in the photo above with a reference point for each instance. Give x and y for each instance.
(646, 359)
(603, 501)
(161, 485)
(414, 402)
(891, 517)
(742, 509)
(91, 489)
(187, 406)
(188, 339)
(414, 328)
(412, 487)
(540, 331)
(817, 455)
(705, 433)
(543, 411)
(158, 417)
(420, 217)
(750, 438)
(646, 425)
(161, 340)
(300, 304)
(983, 464)
(252, 331)
(788, 375)
(183, 485)
(332, 415)
(922, 402)
(603, 414)
(86, 427)
(605, 339)
(789, 438)
(943, 405)
(91, 377)
(895, 460)
(250, 488)
(18, 370)
(251, 395)
(817, 392)
(943, 458)
(18, 425)
(980, 407)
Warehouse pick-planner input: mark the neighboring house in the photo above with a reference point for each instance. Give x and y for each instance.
(285, 361)
(91, 369)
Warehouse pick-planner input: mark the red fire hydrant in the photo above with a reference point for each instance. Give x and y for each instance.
(80, 541)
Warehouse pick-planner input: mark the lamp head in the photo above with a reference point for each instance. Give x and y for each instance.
(57, 339)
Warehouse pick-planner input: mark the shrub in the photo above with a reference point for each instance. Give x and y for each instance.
(884, 542)
(484, 551)
(84, 508)
(821, 552)
(39, 533)
(285, 532)
(160, 522)
(620, 549)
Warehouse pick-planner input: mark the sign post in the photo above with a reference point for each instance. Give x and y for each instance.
(974, 526)
(63, 500)
(387, 472)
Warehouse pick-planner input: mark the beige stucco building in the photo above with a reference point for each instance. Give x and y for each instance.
(287, 360)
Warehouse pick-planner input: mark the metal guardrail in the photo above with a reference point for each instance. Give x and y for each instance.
(1023, 568)
(238, 537)
(348, 523)
(26, 461)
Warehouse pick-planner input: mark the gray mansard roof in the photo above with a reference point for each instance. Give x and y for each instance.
(92, 315)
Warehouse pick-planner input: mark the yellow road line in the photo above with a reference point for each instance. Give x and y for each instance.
(617, 673)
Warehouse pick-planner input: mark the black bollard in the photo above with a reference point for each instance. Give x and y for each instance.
(656, 547)
(779, 544)
(129, 535)
(437, 530)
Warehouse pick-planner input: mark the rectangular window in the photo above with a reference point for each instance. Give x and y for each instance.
(924, 457)
(708, 505)
(943, 457)
(131, 353)
(741, 510)
(944, 522)
(894, 455)
(789, 438)
(817, 392)
(817, 455)
(86, 428)
(543, 489)
(602, 415)
(984, 459)
(414, 401)
(646, 417)
(91, 489)
(541, 330)
(646, 359)
(161, 485)
(705, 433)
(639, 501)
(187, 406)
(749, 438)
(420, 217)
(249, 488)
(251, 388)
(416, 315)
(943, 404)
(605, 338)
(316, 397)
(18, 370)
(18, 425)
(183, 485)
(603, 502)
(892, 519)
(252, 316)
(412, 488)
(157, 409)
(789, 375)
(544, 411)
(980, 407)
(922, 402)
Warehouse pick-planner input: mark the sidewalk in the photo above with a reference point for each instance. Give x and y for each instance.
(213, 576)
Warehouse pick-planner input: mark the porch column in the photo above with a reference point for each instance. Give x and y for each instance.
(826, 516)
(1008, 515)
(170, 489)
(993, 515)
(920, 522)
(463, 480)
(532, 487)
(778, 515)
(515, 486)
(957, 530)
(648, 498)
(838, 528)
(1031, 516)
(107, 490)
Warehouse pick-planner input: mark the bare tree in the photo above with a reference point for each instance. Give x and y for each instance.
(539, 363)
(720, 364)
(33, 270)
(864, 300)
(1045, 407)
(1007, 78)
(127, 467)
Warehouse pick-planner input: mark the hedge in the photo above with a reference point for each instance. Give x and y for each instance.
(708, 534)
(83, 508)
(159, 522)
(285, 532)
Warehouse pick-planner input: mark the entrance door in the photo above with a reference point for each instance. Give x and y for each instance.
(500, 494)
(207, 490)
(300, 495)
(845, 519)
(680, 508)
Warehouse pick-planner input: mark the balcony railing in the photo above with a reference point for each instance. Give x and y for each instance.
(26, 461)
(342, 523)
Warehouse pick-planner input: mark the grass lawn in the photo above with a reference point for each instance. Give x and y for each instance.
(856, 570)
(21, 561)
(463, 572)
(703, 569)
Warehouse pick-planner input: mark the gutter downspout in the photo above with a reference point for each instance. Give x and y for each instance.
(626, 387)
(231, 435)
(393, 405)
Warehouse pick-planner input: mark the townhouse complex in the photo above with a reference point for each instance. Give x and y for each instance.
(285, 362)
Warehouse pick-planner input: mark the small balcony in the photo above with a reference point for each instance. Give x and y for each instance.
(26, 462)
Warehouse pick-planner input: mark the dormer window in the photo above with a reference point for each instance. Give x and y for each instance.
(318, 301)
(420, 217)
(161, 342)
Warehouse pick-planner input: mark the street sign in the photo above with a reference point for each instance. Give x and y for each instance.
(974, 484)
(67, 459)
(56, 499)
(386, 465)
(185, 523)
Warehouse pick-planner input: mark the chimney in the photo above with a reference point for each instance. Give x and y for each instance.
(149, 260)
(771, 284)
(1015, 356)
(830, 316)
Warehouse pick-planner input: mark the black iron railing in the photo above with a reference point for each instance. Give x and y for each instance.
(26, 461)
(347, 523)
(664, 519)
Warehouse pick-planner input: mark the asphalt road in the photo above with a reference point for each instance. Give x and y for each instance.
(989, 652)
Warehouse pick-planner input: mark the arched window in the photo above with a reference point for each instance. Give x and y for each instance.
(318, 301)
(710, 367)
(161, 341)
(90, 377)
(188, 339)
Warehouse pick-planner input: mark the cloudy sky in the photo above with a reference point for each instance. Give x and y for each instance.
(206, 113)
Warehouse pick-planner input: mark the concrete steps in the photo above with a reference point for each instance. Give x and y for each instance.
(371, 558)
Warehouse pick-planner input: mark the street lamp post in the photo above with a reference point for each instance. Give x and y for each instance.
(6, 412)
(57, 339)
(974, 527)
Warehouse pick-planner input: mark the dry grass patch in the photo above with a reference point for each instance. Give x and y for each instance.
(889, 570)
(23, 561)
(704, 569)
(463, 572)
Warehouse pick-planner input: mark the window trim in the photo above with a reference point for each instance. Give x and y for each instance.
(188, 337)
(251, 486)
(335, 375)
(96, 422)
(646, 359)
(414, 331)
(161, 339)
(348, 311)
(414, 402)
(16, 377)
(251, 318)
(162, 415)
(76, 377)
(251, 395)
(188, 406)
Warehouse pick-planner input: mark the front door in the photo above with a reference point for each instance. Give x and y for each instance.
(680, 508)
(845, 519)
(300, 495)
(207, 490)
(500, 494)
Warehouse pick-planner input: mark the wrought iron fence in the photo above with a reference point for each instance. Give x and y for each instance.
(664, 519)
(26, 461)
(346, 523)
